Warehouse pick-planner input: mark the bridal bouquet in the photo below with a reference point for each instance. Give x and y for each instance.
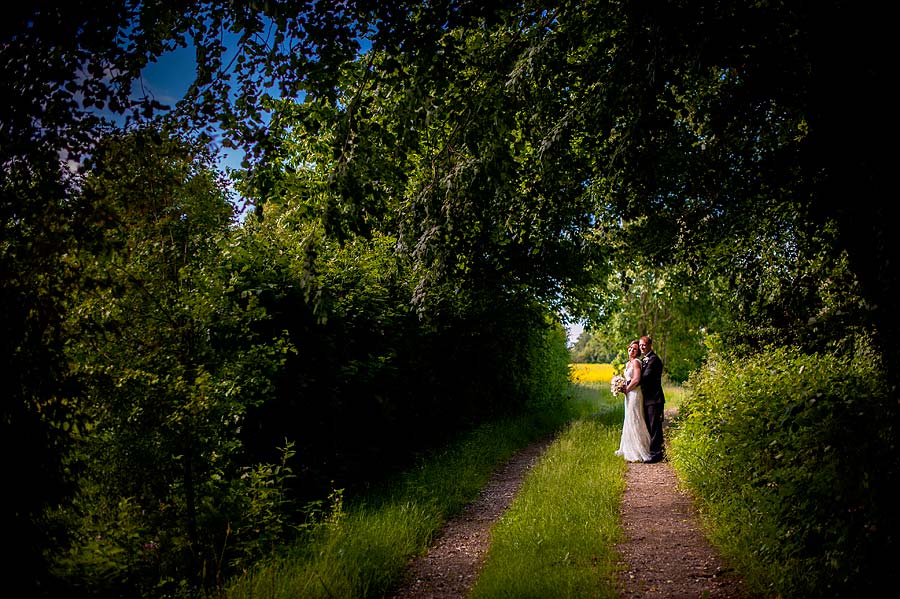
(617, 384)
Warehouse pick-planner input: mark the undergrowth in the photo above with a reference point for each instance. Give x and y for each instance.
(360, 547)
(793, 457)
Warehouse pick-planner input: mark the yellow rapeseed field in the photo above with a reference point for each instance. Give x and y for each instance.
(591, 373)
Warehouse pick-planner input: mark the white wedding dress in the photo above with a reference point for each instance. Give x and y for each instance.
(635, 443)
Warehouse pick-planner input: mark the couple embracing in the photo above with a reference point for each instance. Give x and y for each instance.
(642, 435)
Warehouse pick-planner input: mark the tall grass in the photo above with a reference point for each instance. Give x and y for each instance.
(557, 538)
(674, 395)
(361, 548)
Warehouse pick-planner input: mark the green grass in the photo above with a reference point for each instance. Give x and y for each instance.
(557, 538)
(674, 395)
(361, 548)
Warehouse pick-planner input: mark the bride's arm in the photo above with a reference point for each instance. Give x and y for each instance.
(635, 376)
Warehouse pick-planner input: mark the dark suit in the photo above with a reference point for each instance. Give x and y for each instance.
(654, 401)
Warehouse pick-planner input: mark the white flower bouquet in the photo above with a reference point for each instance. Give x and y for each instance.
(617, 384)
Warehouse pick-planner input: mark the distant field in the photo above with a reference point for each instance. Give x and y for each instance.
(591, 373)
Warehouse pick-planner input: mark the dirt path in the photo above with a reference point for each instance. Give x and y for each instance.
(450, 567)
(664, 555)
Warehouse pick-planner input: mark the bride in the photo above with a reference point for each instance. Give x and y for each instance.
(635, 443)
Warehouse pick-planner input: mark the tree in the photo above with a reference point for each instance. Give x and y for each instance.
(38, 238)
(167, 365)
(719, 161)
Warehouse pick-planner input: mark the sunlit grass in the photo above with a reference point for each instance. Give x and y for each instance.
(570, 508)
(362, 548)
(674, 395)
(557, 538)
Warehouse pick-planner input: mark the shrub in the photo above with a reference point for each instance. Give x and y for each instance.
(793, 457)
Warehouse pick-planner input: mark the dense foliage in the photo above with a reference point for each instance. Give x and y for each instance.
(434, 186)
(225, 377)
(794, 457)
(167, 363)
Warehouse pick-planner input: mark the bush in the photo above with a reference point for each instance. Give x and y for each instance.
(793, 458)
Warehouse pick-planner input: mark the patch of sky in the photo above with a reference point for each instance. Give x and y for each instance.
(573, 332)
(167, 80)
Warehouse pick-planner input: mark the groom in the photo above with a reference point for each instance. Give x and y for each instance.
(654, 400)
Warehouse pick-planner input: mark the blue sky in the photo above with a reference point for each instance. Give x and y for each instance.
(168, 79)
